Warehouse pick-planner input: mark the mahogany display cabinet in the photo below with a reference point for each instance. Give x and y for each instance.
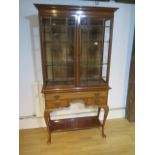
(76, 47)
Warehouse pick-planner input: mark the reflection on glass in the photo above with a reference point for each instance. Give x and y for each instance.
(106, 49)
(105, 52)
(59, 46)
(95, 36)
(107, 22)
(91, 51)
(107, 34)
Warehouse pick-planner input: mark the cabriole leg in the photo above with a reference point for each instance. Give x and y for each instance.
(46, 117)
(106, 111)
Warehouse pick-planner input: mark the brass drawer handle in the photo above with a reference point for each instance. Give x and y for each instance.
(56, 97)
(97, 94)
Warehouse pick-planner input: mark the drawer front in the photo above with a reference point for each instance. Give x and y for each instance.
(100, 101)
(76, 95)
(56, 103)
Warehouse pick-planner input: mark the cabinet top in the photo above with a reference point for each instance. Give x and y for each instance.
(74, 8)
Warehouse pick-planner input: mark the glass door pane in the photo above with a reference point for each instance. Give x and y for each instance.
(106, 42)
(59, 34)
(94, 40)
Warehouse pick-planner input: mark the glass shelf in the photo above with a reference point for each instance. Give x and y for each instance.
(51, 31)
(67, 62)
(93, 65)
(92, 82)
(60, 82)
(61, 65)
(61, 42)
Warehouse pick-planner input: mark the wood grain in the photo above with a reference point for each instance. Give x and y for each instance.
(120, 141)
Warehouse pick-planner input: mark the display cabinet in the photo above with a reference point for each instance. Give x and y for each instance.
(76, 50)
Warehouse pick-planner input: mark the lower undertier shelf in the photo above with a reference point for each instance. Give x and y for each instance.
(74, 123)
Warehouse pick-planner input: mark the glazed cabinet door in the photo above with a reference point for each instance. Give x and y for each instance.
(94, 50)
(58, 42)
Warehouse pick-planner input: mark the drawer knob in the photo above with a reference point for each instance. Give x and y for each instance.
(97, 94)
(56, 97)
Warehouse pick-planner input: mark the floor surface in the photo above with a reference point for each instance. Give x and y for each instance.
(120, 140)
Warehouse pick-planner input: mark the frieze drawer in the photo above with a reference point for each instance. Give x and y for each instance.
(77, 95)
(56, 103)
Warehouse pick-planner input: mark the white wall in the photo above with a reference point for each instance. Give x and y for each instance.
(30, 63)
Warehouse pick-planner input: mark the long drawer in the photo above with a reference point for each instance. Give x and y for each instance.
(63, 99)
(76, 95)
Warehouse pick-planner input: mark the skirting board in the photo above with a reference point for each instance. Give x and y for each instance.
(38, 122)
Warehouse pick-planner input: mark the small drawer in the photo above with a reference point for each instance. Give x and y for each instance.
(102, 101)
(97, 101)
(52, 97)
(56, 103)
